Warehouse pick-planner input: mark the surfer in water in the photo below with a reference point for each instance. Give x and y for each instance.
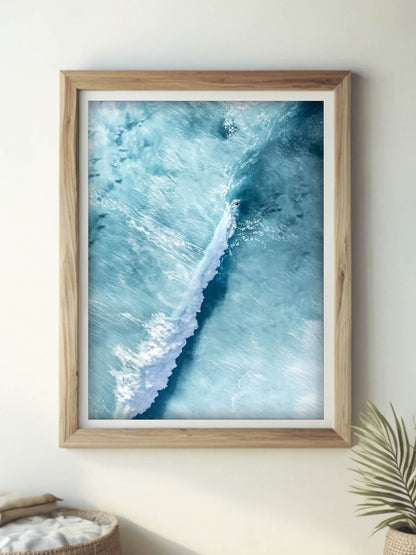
(236, 202)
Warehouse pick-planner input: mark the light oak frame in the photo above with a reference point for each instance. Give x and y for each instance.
(70, 435)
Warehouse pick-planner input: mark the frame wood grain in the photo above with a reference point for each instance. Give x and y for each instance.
(70, 435)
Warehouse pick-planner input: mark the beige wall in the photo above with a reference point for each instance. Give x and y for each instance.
(215, 501)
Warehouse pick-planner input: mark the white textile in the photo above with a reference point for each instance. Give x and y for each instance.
(37, 533)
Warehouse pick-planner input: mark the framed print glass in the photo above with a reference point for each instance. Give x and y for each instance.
(205, 259)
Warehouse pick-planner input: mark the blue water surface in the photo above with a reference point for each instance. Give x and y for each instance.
(205, 260)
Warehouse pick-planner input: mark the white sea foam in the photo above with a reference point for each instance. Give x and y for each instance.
(145, 371)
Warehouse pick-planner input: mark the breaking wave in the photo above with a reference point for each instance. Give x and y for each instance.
(143, 373)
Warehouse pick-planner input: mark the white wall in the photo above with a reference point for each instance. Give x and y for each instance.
(210, 501)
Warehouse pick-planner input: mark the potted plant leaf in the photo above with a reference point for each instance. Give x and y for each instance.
(386, 468)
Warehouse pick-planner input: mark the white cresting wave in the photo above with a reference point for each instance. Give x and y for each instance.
(146, 371)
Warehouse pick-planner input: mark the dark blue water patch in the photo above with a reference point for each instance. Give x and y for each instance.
(304, 128)
(227, 128)
(131, 124)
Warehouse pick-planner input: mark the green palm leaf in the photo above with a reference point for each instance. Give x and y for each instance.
(386, 470)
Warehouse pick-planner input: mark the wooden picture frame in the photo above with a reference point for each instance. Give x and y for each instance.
(70, 432)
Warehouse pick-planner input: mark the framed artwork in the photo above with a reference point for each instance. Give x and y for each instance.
(205, 275)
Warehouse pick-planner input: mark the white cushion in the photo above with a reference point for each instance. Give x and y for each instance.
(37, 533)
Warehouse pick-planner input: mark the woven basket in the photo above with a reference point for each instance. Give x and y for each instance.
(108, 544)
(399, 543)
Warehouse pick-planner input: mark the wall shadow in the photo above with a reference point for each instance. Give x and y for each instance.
(136, 540)
(361, 257)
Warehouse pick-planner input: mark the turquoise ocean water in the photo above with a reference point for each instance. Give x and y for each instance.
(205, 260)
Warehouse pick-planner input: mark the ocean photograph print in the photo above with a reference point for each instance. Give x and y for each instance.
(205, 259)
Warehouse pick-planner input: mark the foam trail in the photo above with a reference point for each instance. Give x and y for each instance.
(146, 371)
